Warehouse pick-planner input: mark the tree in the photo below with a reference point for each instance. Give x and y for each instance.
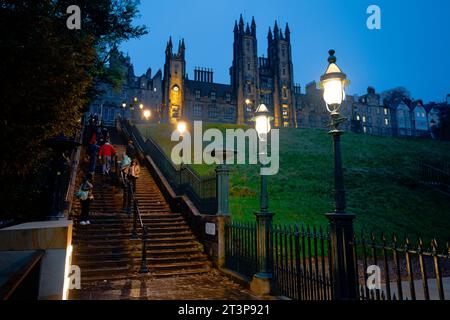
(442, 130)
(395, 96)
(50, 74)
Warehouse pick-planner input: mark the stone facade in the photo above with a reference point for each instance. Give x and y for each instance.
(146, 88)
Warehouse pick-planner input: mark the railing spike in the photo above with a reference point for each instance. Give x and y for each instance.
(394, 238)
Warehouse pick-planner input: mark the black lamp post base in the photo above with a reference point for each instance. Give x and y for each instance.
(341, 238)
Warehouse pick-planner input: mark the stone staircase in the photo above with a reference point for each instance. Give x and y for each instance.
(104, 250)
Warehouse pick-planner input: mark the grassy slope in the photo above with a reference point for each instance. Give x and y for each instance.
(380, 178)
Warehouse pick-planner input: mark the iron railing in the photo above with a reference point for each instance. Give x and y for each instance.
(200, 190)
(137, 222)
(437, 175)
(407, 271)
(301, 267)
(240, 247)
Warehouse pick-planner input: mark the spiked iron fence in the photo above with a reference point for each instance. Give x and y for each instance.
(302, 267)
(407, 271)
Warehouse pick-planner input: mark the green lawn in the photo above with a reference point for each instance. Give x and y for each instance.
(381, 180)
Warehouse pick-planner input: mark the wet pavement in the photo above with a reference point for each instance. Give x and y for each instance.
(210, 286)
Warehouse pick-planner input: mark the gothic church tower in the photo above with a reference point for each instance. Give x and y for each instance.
(280, 61)
(244, 71)
(173, 83)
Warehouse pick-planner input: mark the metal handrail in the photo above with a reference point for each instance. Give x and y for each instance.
(137, 216)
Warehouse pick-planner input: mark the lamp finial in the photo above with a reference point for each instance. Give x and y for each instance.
(331, 58)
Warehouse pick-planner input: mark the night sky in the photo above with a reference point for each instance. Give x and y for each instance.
(412, 49)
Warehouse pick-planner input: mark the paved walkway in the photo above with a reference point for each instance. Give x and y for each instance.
(210, 286)
(432, 288)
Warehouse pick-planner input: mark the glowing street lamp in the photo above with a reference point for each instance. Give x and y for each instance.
(333, 83)
(124, 105)
(141, 106)
(264, 217)
(147, 114)
(181, 127)
(262, 120)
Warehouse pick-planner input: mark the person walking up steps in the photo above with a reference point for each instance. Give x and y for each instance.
(133, 173)
(131, 151)
(107, 151)
(86, 196)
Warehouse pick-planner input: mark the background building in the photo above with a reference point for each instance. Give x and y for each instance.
(172, 95)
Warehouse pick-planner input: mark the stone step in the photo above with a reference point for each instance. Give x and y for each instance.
(178, 265)
(105, 272)
(136, 259)
(180, 273)
(124, 240)
(126, 235)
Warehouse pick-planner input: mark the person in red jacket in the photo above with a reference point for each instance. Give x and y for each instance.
(107, 151)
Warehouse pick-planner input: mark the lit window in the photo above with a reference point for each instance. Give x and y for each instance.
(175, 110)
(386, 122)
(385, 111)
(423, 114)
(358, 117)
(364, 118)
(365, 129)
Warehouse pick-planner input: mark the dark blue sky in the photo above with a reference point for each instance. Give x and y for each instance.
(412, 49)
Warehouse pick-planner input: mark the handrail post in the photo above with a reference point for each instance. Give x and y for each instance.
(134, 235)
(144, 268)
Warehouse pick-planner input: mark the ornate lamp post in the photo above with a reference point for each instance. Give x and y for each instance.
(222, 174)
(124, 106)
(133, 107)
(261, 280)
(333, 83)
(147, 114)
(181, 127)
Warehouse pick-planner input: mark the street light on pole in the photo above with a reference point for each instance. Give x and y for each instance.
(124, 106)
(181, 127)
(261, 280)
(147, 114)
(333, 83)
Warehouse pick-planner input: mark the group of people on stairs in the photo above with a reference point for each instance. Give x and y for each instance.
(106, 153)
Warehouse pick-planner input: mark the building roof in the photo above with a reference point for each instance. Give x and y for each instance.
(207, 87)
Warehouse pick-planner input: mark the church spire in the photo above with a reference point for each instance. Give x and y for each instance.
(253, 26)
(169, 46)
(247, 29)
(241, 23)
(269, 35)
(276, 31)
(287, 33)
